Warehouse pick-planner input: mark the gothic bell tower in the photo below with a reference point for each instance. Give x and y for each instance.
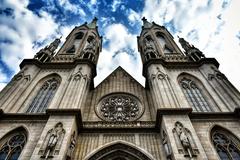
(166, 69)
(84, 43)
(54, 85)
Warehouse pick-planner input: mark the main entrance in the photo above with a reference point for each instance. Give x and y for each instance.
(119, 151)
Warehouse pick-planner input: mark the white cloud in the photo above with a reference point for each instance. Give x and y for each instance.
(22, 30)
(133, 17)
(68, 6)
(198, 22)
(117, 53)
(93, 2)
(115, 5)
(3, 79)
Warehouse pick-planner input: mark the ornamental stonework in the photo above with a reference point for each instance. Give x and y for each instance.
(119, 108)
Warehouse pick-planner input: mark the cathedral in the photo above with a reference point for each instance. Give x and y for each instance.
(187, 110)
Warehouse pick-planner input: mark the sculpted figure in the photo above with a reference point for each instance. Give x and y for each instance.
(53, 138)
(71, 147)
(53, 46)
(185, 139)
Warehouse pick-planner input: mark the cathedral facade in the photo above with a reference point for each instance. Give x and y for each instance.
(187, 110)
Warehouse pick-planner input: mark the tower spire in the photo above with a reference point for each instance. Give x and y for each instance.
(93, 24)
(146, 24)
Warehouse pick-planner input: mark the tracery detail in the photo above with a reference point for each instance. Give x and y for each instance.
(194, 96)
(44, 96)
(119, 108)
(13, 147)
(226, 147)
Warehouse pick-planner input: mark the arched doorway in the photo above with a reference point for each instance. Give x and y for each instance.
(119, 151)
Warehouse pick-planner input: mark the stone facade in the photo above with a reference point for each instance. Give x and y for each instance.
(52, 101)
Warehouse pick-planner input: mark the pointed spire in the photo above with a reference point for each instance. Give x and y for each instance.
(93, 24)
(146, 24)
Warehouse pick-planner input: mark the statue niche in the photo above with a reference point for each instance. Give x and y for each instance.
(52, 142)
(166, 146)
(90, 48)
(71, 147)
(184, 141)
(149, 48)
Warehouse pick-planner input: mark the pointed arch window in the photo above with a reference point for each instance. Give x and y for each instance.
(226, 145)
(44, 96)
(12, 146)
(76, 43)
(194, 96)
(163, 42)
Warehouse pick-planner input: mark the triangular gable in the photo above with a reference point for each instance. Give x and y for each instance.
(119, 73)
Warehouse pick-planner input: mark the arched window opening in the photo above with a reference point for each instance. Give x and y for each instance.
(44, 96)
(76, 43)
(194, 95)
(89, 41)
(152, 55)
(163, 43)
(12, 146)
(226, 144)
(119, 151)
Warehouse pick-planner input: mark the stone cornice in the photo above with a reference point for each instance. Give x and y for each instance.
(59, 65)
(23, 116)
(215, 115)
(103, 126)
(68, 112)
(170, 111)
(178, 65)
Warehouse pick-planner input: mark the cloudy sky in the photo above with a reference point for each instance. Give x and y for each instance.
(28, 25)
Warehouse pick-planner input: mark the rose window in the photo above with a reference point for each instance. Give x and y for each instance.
(119, 108)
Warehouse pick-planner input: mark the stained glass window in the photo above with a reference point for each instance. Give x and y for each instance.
(41, 101)
(13, 147)
(194, 96)
(226, 146)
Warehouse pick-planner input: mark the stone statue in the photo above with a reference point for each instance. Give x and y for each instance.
(91, 44)
(166, 146)
(54, 45)
(148, 43)
(149, 49)
(52, 139)
(71, 147)
(185, 140)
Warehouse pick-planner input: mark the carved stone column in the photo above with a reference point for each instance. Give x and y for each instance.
(161, 88)
(179, 138)
(77, 86)
(58, 138)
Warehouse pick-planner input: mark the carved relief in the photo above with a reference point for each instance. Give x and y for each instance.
(149, 48)
(71, 147)
(119, 108)
(166, 146)
(90, 49)
(161, 75)
(21, 75)
(77, 76)
(217, 74)
(52, 142)
(184, 141)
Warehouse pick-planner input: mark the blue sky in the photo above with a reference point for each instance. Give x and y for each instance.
(28, 25)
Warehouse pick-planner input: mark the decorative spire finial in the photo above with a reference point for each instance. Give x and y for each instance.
(146, 24)
(93, 24)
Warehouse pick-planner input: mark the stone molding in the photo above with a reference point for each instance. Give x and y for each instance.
(59, 65)
(179, 65)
